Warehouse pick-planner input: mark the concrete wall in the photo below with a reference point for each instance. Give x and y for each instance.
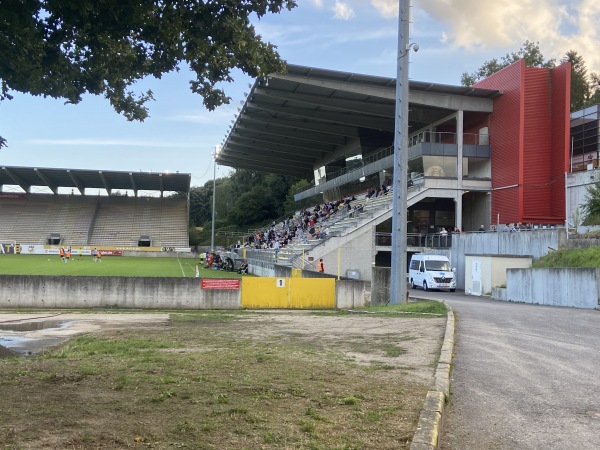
(535, 243)
(493, 270)
(380, 285)
(27, 291)
(572, 287)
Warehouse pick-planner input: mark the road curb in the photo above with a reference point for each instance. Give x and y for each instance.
(431, 420)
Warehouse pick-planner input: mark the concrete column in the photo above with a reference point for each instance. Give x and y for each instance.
(459, 167)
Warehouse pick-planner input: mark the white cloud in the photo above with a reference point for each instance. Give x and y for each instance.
(342, 11)
(387, 8)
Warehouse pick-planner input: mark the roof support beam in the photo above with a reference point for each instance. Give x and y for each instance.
(295, 124)
(282, 169)
(160, 183)
(277, 131)
(104, 182)
(53, 187)
(356, 120)
(76, 182)
(382, 109)
(133, 185)
(303, 144)
(267, 161)
(18, 181)
(278, 148)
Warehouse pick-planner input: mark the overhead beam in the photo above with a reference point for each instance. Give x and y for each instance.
(105, 182)
(254, 157)
(42, 176)
(133, 185)
(76, 182)
(277, 131)
(236, 149)
(279, 148)
(284, 170)
(17, 180)
(303, 144)
(303, 124)
(384, 124)
(382, 109)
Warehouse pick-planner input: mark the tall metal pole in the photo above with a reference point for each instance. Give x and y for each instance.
(212, 234)
(399, 216)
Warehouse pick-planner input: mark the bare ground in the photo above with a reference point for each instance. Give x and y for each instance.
(217, 381)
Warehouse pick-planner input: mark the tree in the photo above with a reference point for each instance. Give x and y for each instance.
(580, 87)
(64, 49)
(591, 208)
(530, 52)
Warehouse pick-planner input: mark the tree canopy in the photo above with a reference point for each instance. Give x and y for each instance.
(585, 88)
(64, 49)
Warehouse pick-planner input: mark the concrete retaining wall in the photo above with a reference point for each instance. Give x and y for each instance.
(572, 287)
(535, 243)
(28, 291)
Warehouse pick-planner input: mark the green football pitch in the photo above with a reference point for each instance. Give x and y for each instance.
(111, 266)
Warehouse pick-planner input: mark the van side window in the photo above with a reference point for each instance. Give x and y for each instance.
(414, 265)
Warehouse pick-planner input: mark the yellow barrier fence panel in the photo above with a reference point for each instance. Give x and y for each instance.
(296, 273)
(312, 293)
(265, 292)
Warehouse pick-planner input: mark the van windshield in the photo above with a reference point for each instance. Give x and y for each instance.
(432, 264)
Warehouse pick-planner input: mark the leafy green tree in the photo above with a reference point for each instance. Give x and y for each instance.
(64, 48)
(530, 51)
(591, 208)
(252, 207)
(580, 87)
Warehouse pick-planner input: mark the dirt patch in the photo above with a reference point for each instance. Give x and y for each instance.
(218, 380)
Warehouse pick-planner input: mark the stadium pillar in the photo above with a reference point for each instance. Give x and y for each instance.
(399, 205)
(212, 234)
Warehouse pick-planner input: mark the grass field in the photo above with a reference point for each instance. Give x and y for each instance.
(116, 266)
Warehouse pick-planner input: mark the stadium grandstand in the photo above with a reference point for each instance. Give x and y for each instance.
(67, 214)
(479, 158)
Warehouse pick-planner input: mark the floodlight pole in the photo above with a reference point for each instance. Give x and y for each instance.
(399, 204)
(212, 234)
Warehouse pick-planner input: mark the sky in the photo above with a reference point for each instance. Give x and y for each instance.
(360, 36)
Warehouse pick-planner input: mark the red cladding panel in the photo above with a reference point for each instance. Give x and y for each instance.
(506, 139)
(537, 145)
(529, 134)
(561, 108)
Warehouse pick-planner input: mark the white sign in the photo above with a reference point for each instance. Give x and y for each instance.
(280, 282)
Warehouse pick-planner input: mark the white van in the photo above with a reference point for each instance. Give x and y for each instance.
(431, 272)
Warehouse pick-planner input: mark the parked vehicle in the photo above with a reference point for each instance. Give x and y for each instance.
(431, 272)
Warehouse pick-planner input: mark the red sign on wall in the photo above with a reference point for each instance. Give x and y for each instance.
(220, 283)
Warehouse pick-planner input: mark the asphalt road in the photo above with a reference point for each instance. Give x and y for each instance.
(524, 376)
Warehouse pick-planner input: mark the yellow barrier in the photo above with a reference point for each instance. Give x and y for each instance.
(271, 292)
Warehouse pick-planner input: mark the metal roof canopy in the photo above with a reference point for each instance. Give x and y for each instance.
(26, 177)
(290, 122)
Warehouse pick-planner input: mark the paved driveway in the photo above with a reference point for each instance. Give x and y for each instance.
(525, 376)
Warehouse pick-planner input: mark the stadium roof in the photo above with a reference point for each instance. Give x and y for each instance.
(26, 177)
(290, 122)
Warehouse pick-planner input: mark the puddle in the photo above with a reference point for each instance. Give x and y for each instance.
(32, 326)
(13, 340)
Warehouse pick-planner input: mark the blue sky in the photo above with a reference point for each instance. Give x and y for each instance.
(454, 36)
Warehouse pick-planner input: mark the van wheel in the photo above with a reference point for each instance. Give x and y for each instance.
(425, 287)
(412, 284)
(452, 290)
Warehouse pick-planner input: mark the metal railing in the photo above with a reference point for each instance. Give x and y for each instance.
(448, 138)
(429, 240)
